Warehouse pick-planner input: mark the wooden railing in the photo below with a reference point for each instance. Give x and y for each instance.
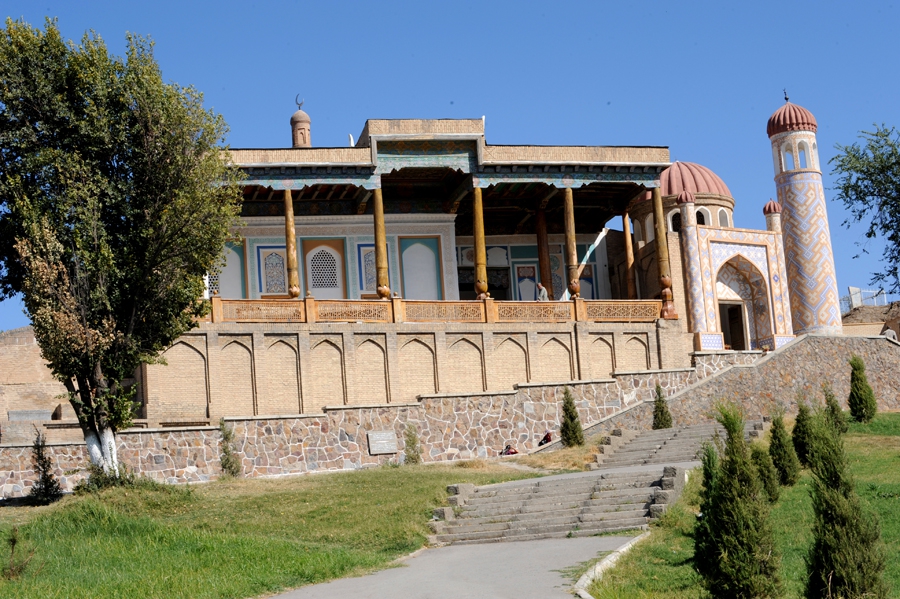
(310, 310)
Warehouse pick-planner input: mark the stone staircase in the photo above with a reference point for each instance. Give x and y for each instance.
(665, 446)
(556, 506)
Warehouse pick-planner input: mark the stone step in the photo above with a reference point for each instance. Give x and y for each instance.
(528, 508)
(541, 494)
(590, 509)
(550, 520)
(563, 530)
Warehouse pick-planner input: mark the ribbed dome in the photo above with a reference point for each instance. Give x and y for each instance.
(772, 207)
(688, 176)
(791, 117)
(299, 117)
(685, 197)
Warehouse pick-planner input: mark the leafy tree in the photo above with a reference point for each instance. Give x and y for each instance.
(570, 432)
(800, 434)
(846, 558)
(781, 450)
(868, 184)
(768, 475)
(45, 490)
(115, 199)
(862, 399)
(833, 411)
(736, 554)
(661, 416)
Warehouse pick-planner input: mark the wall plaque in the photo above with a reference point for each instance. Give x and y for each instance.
(382, 442)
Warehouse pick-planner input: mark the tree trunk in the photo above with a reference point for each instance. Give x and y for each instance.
(102, 450)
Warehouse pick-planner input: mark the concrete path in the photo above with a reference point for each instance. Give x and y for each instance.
(523, 570)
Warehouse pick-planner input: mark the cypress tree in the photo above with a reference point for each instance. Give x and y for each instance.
(705, 556)
(736, 555)
(661, 416)
(846, 558)
(45, 490)
(411, 451)
(781, 450)
(800, 434)
(768, 476)
(570, 432)
(862, 399)
(833, 411)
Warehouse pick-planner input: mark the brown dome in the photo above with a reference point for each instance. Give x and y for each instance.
(688, 176)
(685, 197)
(772, 207)
(299, 117)
(791, 117)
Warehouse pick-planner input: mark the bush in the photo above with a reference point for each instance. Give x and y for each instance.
(846, 558)
(768, 476)
(833, 411)
(800, 434)
(411, 451)
(45, 489)
(862, 399)
(735, 549)
(231, 463)
(570, 432)
(661, 416)
(781, 450)
(98, 480)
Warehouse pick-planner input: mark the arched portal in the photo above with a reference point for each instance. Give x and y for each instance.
(744, 311)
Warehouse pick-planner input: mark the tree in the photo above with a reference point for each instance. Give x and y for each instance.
(768, 476)
(800, 434)
(868, 184)
(833, 411)
(45, 489)
(115, 200)
(862, 399)
(661, 416)
(570, 432)
(781, 450)
(736, 554)
(846, 558)
(411, 452)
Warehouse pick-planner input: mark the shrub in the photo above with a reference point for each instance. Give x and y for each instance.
(661, 416)
(45, 489)
(800, 434)
(833, 411)
(781, 450)
(846, 558)
(705, 551)
(231, 463)
(15, 567)
(862, 399)
(570, 432)
(411, 451)
(98, 479)
(768, 476)
(735, 549)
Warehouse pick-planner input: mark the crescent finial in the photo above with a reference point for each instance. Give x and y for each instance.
(300, 103)
(785, 95)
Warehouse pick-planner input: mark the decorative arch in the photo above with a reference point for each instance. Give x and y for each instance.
(803, 155)
(651, 230)
(283, 381)
(554, 361)
(703, 216)
(673, 218)
(371, 371)
(325, 387)
(468, 364)
(603, 360)
(723, 218)
(740, 280)
(180, 386)
(417, 370)
(787, 157)
(510, 364)
(237, 377)
(635, 354)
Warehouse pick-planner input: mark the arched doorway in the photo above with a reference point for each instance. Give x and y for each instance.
(744, 313)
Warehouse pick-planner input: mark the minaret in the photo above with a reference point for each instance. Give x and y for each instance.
(300, 128)
(815, 303)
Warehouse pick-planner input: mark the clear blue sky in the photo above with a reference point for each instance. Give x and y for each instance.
(699, 77)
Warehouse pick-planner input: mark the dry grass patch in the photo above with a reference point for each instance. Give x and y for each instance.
(567, 458)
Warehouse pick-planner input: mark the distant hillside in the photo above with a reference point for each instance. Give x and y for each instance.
(873, 314)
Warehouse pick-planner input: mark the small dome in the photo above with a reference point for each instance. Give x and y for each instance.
(688, 176)
(685, 197)
(791, 117)
(772, 207)
(299, 117)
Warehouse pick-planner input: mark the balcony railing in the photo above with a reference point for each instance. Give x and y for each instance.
(310, 310)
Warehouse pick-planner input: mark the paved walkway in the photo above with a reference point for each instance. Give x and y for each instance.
(522, 570)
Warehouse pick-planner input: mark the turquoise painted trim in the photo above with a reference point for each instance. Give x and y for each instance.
(565, 180)
(367, 181)
(238, 248)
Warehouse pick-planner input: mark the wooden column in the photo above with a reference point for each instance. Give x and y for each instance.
(571, 255)
(629, 257)
(481, 284)
(290, 245)
(383, 284)
(543, 246)
(662, 258)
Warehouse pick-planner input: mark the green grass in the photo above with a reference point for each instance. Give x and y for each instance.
(660, 566)
(236, 538)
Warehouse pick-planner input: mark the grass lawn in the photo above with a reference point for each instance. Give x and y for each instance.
(660, 566)
(235, 538)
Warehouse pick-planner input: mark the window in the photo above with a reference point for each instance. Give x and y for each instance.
(702, 216)
(802, 153)
(651, 232)
(676, 222)
(723, 218)
(788, 159)
(323, 270)
(637, 229)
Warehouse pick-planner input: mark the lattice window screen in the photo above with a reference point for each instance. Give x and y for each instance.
(323, 270)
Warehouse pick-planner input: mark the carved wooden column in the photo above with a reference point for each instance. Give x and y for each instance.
(383, 284)
(571, 254)
(629, 257)
(662, 258)
(543, 247)
(290, 245)
(481, 283)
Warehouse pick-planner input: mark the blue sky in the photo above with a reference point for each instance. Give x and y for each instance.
(699, 77)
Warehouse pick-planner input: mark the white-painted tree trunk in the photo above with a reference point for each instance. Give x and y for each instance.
(103, 451)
